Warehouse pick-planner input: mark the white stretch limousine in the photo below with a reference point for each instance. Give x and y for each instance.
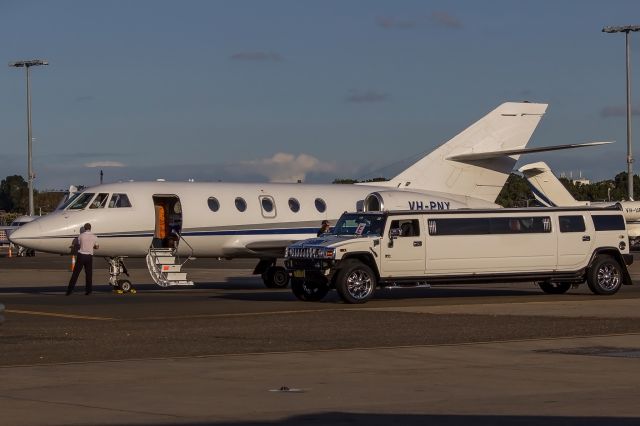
(557, 248)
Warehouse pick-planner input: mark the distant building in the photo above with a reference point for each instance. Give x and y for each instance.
(580, 180)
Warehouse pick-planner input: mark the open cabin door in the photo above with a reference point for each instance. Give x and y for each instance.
(168, 221)
(163, 261)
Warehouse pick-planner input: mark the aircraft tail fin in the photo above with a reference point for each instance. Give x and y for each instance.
(508, 127)
(546, 187)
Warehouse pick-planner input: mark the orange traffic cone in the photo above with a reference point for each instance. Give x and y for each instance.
(73, 262)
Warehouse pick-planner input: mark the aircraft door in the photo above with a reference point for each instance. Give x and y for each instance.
(168, 221)
(267, 206)
(403, 254)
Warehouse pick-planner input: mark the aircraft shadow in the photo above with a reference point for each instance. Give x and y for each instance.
(350, 419)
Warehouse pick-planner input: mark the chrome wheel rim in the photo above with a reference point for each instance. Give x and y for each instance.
(608, 277)
(359, 284)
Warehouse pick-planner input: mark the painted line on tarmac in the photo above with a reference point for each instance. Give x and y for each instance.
(54, 314)
(310, 351)
(239, 314)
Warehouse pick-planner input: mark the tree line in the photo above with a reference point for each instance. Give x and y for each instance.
(14, 197)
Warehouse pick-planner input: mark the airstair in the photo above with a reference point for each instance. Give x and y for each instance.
(165, 266)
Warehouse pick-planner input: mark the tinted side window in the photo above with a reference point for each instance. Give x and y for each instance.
(407, 227)
(571, 224)
(608, 222)
(492, 225)
(471, 226)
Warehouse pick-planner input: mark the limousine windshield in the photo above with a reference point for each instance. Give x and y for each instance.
(353, 224)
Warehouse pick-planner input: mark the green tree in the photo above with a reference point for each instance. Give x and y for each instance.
(14, 194)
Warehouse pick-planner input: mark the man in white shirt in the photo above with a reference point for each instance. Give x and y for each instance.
(87, 242)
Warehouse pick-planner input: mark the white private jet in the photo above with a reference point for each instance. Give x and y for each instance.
(164, 220)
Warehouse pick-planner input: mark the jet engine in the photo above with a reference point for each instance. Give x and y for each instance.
(405, 200)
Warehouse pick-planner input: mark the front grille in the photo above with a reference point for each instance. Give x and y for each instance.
(306, 253)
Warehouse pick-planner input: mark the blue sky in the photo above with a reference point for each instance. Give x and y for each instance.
(280, 90)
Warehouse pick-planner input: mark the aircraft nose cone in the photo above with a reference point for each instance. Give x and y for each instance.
(24, 235)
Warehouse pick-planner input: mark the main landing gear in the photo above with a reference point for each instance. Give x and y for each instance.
(116, 268)
(273, 276)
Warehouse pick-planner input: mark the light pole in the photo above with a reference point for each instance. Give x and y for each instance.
(27, 65)
(626, 30)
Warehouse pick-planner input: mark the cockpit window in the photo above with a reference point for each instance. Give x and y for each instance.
(119, 200)
(82, 201)
(68, 201)
(100, 201)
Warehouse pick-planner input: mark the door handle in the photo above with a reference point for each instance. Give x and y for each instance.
(417, 243)
(586, 238)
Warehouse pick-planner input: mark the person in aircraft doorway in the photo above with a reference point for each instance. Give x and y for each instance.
(326, 227)
(87, 242)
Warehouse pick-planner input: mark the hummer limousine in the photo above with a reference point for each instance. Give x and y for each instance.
(555, 247)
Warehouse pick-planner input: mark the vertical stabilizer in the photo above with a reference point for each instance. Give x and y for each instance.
(546, 187)
(509, 126)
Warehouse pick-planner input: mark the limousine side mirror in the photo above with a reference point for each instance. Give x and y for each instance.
(393, 234)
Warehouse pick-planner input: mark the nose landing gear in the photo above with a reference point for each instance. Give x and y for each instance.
(116, 268)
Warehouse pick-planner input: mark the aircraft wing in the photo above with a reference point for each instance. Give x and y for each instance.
(517, 151)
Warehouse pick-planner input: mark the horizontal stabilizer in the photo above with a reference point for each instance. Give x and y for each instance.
(518, 151)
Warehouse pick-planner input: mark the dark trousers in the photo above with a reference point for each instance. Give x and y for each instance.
(83, 261)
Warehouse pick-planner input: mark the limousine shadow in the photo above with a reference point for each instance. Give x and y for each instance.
(441, 292)
(351, 419)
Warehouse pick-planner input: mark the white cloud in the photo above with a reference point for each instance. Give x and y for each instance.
(284, 167)
(95, 164)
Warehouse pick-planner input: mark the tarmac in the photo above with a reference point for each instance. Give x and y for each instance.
(230, 351)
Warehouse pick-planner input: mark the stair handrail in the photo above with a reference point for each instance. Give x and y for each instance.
(181, 238)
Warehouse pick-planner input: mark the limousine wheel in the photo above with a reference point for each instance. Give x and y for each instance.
(355, 282)
(605, 275)
(309, 290)
(554, 288)
(276, 277)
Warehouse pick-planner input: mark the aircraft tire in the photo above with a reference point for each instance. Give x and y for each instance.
(276, 277)
(605, 276)
(554, 288)
(355, 282)
(125, 285)
(309, 290)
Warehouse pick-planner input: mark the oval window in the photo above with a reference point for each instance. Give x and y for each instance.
(241, 204)
(321, 206)
(294, 205)
(267, 204)
(214, 204)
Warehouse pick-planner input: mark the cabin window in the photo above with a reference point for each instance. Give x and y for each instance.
(119, 201)
(321, 206)
(241, 204)
(214, 204)
(82, 201)
(294, 205)
(489, 225)
(571, 224)
(608, 222)
(100, 201)
(267, 204)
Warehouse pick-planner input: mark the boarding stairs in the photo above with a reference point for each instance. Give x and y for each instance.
(165, 266)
